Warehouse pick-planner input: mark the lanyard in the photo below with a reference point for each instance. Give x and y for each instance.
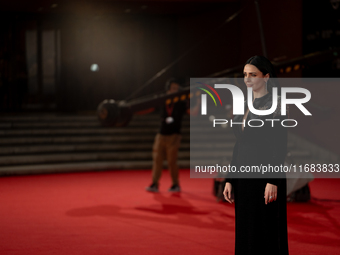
(169, 109)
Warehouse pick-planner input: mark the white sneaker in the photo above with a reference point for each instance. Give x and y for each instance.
(175, 188)
(152, 188)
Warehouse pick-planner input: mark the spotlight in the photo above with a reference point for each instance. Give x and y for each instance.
(94, 68)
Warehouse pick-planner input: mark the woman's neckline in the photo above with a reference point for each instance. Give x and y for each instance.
(258, 98)
(262, 96)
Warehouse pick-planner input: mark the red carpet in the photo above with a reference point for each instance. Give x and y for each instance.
(110, 213)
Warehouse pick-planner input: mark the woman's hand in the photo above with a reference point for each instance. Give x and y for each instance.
(270, 193)
(227, 192)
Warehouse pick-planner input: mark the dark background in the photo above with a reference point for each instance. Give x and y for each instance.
(47, 47)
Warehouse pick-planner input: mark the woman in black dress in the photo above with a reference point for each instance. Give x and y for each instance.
(260, 199)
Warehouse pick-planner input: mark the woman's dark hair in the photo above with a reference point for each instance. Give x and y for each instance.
(266, 67)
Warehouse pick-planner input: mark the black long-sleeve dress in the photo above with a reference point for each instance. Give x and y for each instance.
(260, 228)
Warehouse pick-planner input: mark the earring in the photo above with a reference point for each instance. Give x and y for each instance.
(266, 85)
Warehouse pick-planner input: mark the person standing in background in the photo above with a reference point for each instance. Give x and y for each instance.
(167, 140)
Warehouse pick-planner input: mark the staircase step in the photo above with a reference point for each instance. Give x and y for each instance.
(83, 166)
(119, 138)
(61, 143)
(73, 124)
(71, 118)
(43, 149)
(101, 131)
(86, 131)
(118, 155)
(73, 148)
(74, 157)
(83, 147)
(76, 139)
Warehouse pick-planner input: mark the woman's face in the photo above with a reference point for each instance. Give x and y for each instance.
(254, 78)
